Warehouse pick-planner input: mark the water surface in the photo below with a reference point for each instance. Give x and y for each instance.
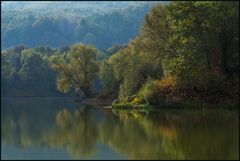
(58, 128)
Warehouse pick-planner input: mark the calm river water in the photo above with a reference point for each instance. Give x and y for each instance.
(59, 128)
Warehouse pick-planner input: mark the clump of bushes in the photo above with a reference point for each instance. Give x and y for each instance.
(171, 90)
(159, 91)
(130, 102)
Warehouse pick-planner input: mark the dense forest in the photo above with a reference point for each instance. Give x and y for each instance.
(102, 24)
(184, 51)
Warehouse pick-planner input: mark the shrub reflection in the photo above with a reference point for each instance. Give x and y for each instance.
(137, 135)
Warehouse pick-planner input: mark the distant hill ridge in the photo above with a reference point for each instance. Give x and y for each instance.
(56, 24)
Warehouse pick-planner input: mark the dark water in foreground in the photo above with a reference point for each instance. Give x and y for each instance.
(51, 128)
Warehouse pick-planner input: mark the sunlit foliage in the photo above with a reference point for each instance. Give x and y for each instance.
(76, 69)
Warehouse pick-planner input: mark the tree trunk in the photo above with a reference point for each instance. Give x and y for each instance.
(224, 56)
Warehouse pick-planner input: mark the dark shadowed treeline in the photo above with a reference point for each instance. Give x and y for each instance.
(184, 51)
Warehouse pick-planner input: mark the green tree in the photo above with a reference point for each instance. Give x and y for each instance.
(194, 42)
(109, 82)
(76, 69)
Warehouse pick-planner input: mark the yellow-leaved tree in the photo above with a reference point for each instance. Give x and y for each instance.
(76, 69)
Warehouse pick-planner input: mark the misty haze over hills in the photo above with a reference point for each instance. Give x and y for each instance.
(51, 5)
(58, 24)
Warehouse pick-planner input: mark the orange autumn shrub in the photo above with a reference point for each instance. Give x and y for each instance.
(160, 91)
(168, 88)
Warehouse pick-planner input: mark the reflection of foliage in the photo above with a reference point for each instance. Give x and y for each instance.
(214, 136)
(77, 133)
(133, 136)
(170, 135)
(25, 123)
(159, 134)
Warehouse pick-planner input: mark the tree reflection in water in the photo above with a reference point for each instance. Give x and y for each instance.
(178, 135)
(76, 132)
(137, 135)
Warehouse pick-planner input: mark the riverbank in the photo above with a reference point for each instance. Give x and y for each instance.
(176, 105)
(96, 101)
(109, 102)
